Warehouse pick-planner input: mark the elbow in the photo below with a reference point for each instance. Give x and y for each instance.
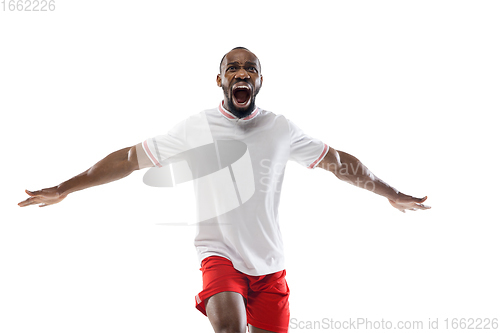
(331, 162)
(132, 161)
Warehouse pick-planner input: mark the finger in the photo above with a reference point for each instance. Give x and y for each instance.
(410, 199)
(422, 199)
(33, 193)
(420, 206)
(30, 193)
(29, 201)
(24, 203)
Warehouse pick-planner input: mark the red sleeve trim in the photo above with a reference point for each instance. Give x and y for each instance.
(155, 161)
(323, 153)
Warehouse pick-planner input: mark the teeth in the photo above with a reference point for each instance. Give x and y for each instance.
(241, 87)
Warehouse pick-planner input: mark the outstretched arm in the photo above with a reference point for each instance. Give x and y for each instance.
(348, 168)
(115, 166)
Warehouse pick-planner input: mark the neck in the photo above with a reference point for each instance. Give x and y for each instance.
(236, 112)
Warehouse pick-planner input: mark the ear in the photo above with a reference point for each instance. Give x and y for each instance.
(219, 81)
(261, 78)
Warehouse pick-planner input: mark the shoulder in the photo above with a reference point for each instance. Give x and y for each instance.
(269, 114)
(277, 118)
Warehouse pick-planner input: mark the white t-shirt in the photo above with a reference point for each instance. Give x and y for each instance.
(238, 193)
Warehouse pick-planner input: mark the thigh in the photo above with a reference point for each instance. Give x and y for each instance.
(226, 312)
(219, 276)
(267, 303)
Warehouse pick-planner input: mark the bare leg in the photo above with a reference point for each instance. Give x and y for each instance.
(254, 329)
(226, 312)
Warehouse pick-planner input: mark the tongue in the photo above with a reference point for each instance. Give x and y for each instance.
(241, 96)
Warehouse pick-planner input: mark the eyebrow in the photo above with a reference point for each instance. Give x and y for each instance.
(237, 63)
(229, 64)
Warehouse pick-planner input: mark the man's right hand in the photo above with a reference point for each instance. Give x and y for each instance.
(45, 197)
(115, 166)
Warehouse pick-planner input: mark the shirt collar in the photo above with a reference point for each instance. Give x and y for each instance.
(230, 116)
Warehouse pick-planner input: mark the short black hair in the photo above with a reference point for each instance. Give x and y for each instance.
(235, 48)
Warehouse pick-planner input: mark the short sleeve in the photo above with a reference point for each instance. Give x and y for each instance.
(161, 147)
(188, 134)
(304, 149)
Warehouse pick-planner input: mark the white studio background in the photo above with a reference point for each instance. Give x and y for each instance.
(410, 88)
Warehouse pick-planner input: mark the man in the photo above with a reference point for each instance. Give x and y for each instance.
(240, 248)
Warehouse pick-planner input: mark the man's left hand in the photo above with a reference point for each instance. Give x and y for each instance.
(404, 202)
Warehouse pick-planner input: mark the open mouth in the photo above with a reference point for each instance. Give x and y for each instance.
(241, 95)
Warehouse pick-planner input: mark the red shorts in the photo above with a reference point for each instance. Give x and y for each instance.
(266, 296)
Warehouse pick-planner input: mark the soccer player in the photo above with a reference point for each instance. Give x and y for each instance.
(238, 239)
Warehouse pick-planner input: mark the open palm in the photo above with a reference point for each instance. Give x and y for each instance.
(45, 197)
(409, 202)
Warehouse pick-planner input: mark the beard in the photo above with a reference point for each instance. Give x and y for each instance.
(238, 112)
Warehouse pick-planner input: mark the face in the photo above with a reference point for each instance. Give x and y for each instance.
(240, 80)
